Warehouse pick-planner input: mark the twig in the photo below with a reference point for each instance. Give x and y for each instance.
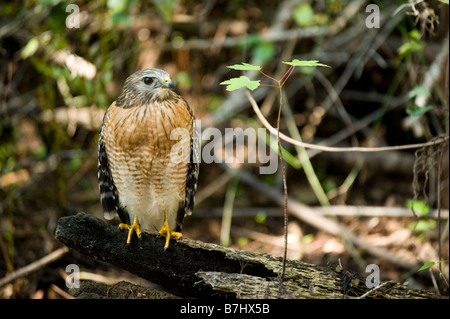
(61, 292)
(335, 210)
(340, 106)
(285, 203)
(216, 184)
(236, 102)
(430, 78)
(228, 211)
(89, 117)
(268, 102)
(349, 12)
(277, 241)
(309, 216)
(34, 266)
(439, 156)
(357, 126)
(275, 34)
(370, 44)
(436, 141)
(375, 289)
(39, 168)
(349, 180)
(304, 159)
(272, 36)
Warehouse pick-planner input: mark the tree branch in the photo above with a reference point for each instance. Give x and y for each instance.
(272, 130)
(34, 266)
(196, 269)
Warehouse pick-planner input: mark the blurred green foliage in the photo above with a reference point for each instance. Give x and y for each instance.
(304, 15)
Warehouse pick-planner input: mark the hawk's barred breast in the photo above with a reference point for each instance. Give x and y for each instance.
(148, 155)
(138, 144)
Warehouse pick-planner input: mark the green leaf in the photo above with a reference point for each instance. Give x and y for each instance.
(304, 15)
(183, 80)
(415, 110)
(307, 239)
(419, 207)
(242, 241)
(166, 8)
(261, 217)
(426, 265)
(422, 225)
(121, 17)
(328, 185)
(237, 83)
(116, 5)
(412, 44)
(40, 152)
(414, 34)
(30, 48)
(287, 156)
(418, 90)
(244, 67)
(297, 62)
(75, 163)
(264, 52)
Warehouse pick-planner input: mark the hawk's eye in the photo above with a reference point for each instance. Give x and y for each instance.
(147, 80)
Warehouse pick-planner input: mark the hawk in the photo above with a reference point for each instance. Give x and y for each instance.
(148, 157)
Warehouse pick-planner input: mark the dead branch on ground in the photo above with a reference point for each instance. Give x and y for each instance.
(195, 269)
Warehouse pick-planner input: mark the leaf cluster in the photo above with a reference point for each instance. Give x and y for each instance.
(244, 81)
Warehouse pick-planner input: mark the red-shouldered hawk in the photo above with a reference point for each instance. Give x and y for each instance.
(148, 156)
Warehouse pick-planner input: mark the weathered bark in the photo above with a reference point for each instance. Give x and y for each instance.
(196, 269)
(121, 290)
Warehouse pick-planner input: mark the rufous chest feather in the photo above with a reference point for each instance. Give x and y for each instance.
(146, 126)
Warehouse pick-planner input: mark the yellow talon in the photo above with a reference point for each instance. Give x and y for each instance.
(166, 232)
(133, 228)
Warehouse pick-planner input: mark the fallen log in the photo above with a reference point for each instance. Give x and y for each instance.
(191, 268)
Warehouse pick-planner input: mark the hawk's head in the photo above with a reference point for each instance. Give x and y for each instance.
(143, 86)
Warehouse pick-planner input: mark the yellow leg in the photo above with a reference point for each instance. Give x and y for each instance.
(133, 228)
(166, 232)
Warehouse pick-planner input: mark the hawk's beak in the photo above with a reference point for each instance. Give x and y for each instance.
(168, 83)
